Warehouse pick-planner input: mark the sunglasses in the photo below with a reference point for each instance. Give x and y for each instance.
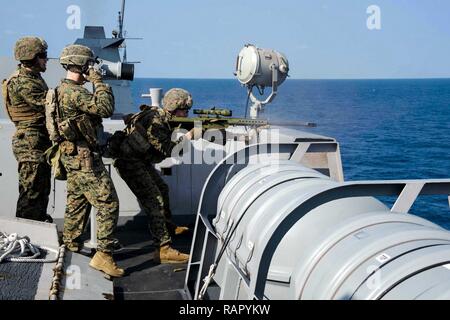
(42, 55)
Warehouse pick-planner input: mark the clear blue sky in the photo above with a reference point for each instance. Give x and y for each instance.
(201, 38)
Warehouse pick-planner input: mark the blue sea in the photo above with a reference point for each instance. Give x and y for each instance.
(387, 129)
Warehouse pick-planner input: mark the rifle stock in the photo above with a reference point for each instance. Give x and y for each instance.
(215, 123)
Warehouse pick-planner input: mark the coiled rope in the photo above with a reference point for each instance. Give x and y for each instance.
(19, 249)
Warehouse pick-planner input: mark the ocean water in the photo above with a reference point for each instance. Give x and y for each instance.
(387, 129)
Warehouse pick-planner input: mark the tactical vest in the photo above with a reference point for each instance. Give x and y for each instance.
(136, 131)
(71, 129)
(20, 112)
(133, 142)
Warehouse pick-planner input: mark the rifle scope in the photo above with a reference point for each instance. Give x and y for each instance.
(214, 111)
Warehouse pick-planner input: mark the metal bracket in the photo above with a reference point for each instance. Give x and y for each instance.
(259, 105)
(408, 196)
(300, 152)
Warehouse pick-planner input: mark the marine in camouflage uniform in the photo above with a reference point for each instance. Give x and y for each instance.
(146, 140)
(88, 182)
(24, 94)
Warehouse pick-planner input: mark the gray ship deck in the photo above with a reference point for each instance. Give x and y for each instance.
(145, 279)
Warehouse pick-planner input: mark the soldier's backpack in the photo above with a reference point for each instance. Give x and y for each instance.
(53, 154)
(6, 102)
(137, 139)
(52, 115)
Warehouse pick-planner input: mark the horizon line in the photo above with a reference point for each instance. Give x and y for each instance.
(312, 79)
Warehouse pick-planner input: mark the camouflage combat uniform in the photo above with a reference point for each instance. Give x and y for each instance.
(26, 91)
(137, 171)
(88, 182)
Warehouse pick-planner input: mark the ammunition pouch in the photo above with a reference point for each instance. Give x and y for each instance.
(138, 141)
(87, 130)
(68, 129)
(126, 150)
(134, 143)
(114, 143)
(86, 157)
(68, 148)
(79, 128)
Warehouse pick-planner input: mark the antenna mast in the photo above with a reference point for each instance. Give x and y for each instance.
(121, 16)
(121, 32)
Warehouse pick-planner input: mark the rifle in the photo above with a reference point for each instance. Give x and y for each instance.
(220, 119)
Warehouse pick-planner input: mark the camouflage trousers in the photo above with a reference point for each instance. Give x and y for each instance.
(152, 193)
(28, 145)
(86, 188)
(34, 190)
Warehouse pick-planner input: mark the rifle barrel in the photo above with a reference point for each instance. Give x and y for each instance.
(293, 124)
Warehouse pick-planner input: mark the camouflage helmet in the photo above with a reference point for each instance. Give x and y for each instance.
(177, 98)
(28, 47)
(76, 55)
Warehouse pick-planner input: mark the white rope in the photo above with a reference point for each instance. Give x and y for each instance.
(19, 249)
(207, 281)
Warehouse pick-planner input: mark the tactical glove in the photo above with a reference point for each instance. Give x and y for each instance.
(194, 134)
(94, 76)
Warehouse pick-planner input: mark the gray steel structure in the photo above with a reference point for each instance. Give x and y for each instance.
(284, 231)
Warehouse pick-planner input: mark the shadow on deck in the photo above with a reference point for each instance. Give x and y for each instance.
(145, 279)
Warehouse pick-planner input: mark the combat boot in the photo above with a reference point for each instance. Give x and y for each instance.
(179, 230)
(167, 254)
(103, 261)
(175, 230)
